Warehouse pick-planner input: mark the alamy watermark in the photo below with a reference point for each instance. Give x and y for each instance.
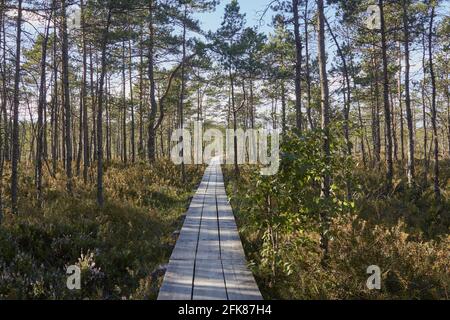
(252, 146)
(373, 22)
(374, 281)
(74, 278)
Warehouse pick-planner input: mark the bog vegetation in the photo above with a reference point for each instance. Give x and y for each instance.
(119, 247)
(404, 232)
(91, 92)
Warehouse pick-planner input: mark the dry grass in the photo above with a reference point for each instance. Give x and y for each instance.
(118, 246)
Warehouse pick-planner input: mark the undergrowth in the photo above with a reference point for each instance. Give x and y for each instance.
(405, 232)
(118, 247)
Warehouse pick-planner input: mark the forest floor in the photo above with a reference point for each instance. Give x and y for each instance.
(118, 248)
(405, 233)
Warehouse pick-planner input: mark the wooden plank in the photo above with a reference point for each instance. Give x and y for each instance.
(240, 283)
(177, 284)
(190, 232)
(208, 250)
(229, 234)
(209, 232)
(184, 250)
(232, 250)
(209, 282)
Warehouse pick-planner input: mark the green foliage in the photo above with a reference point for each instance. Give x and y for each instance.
(282, 208)
(227, 41)
(280, 226)
(117, 247)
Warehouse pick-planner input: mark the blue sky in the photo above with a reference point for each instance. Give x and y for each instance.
(252, 8)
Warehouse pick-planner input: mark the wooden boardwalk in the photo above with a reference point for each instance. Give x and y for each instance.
(208, 261)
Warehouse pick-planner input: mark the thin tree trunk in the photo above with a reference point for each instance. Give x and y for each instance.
(100, 196)
(252, 105)
(361, 126)
(234, 112)
(94, 103)
(125, 109)
(298, 65)
(86, 157)
(376, 130)
(394, 128)
(308, 72)
(80, 138)
(425, 134)
(67, 107)
(447, 91)
(108, 119)
(437, 190)
(41, 108)
(133, 125)
(55, 102)
(387, 108)
(3, 116)
(409, 117)
(283, 108)
(400, 103)
(15, 136)
(326, 181)
(141, 101)
(182, 94)
(153, 104)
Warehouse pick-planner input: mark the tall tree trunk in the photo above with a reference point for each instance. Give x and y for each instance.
(326, 181)
(387, 108)
(125, 108)
(409, 117)
(109, 134)
(361, 123)
(3, 116)
(425, 134)
(400, 104)
(86, 157)
(55, 141)
(5, 120)
(376, 130)
(447, 92)
(133, 125)
(394, 127)
(79, 153)
(298, 65)
(67, 107)
(362, 128)
(182, 93)
(252, 105)
(41, 109)
(283, 108)
(141, 101)
(308, 72)
(234, 112)
(437, 190)
(15, 133)
(94, 104)
(100, 196)
(151, 76)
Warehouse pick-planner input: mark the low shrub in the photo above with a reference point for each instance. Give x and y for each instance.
(117, 247)
(404, 232)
